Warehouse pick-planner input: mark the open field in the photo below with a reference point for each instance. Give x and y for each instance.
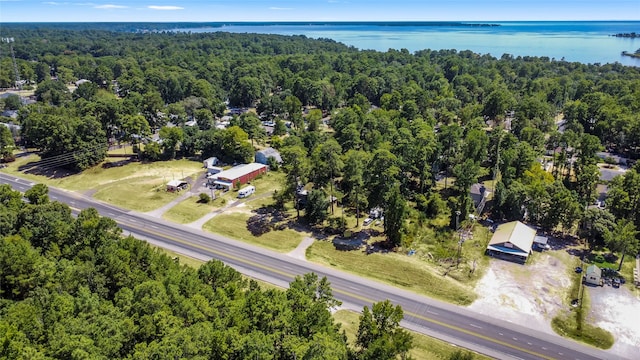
(190, 210)
(397, 269)
(424, 347)
(234, 225)
(98, 176)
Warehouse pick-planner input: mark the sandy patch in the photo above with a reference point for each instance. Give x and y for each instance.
(617, 311)
(523, 294)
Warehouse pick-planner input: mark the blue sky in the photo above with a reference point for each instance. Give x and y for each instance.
(315, 10)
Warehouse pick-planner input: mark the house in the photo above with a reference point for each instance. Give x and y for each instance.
(82, 81)
(240, 174)
(512, 241)
(263, 156)
(176, 185)
(210, 165)
(477, 193)
(593, 276)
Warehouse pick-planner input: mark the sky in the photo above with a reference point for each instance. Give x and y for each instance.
(314, 10)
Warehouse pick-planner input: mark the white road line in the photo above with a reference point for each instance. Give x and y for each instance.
(528, 343)
(153, 226)
(132, 220)
(476, 326)
(501, 334)
(515, 338)
(432, 312)
(354, 288)
(544, 348)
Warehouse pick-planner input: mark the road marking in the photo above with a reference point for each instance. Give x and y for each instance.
(476, 326)
(111, 214)
(132, 220)
(354, 288)
(515, 338)
(544, 348)
(153, 226)
(356, 296)
(528, 343)
(432, 312)
(501, 334)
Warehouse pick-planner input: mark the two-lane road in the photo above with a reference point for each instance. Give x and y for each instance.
(458, 325)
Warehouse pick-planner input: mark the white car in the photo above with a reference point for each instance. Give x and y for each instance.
(367, 221)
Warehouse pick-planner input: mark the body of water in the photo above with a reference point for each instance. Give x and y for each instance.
(582, 41)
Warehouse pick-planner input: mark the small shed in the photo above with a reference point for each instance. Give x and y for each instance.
(176, 185)
(593, 275)
(263, 156)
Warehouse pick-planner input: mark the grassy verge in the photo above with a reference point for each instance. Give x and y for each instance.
(140, 194)
(397, 269)
(189, 210)
(234, 225)
(424, 347)
(572, 323)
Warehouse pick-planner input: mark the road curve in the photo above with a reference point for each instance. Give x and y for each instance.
(458, 325)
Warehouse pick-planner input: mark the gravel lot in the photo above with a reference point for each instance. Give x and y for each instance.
(533, 293)
(618, 311)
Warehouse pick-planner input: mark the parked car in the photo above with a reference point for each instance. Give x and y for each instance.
(616, 282)
(578, 269)
(367, 221)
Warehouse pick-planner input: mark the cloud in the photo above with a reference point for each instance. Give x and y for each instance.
(164, 7)
(110, 6)
(279, 8)
(53, 3)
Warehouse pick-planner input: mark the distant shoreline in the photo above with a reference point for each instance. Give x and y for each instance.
(635, 55)
(631, 35)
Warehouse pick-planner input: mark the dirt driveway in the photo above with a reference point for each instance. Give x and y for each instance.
(533, 293)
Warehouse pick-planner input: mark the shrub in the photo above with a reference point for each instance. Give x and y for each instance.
(204, 198)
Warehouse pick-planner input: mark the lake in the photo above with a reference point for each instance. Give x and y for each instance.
(581, 41)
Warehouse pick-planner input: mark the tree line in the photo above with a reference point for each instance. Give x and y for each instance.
(75, 287)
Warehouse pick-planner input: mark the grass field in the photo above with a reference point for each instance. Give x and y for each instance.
(190, 210)
(397, 269)
(234, 225)
(424, 347)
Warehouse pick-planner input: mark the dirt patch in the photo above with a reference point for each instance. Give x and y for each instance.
(617, 310)
(524, 294)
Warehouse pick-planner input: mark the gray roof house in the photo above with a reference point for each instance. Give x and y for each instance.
(263, 155)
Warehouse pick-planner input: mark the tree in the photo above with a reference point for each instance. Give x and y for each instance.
(316, 207)
(327, 164)
(353, 179)
(171, 137)
(135, 128)
(395, 212)
(7, 145)
(296, 165)
(380, 336)
(595, 224)
(311, 300)
(38, 194)
(624, 239)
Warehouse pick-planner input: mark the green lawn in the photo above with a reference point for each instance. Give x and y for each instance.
(97, 176)
(141, 194)
(424, 347)
(397, 269)
(190, 210)
(234, 225)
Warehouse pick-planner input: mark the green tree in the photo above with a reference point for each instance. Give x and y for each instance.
(353, 179)
(7, 145)
(380, 336)
(316, 207)
(296, 166)
(623, 239)
(311, 300)
(38, 194)
(395, 213)
(171, 138)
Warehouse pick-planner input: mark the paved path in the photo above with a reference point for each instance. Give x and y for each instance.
(300, 252)
(158, 212)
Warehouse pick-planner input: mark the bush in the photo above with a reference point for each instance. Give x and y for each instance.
(204, 198)
(598, 258)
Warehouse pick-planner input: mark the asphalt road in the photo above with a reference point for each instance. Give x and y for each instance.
(496, 338)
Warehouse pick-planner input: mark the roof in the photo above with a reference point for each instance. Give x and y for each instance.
(270, 152)
(239, 171)
(594, 270)
(176, 183)
(516, 233)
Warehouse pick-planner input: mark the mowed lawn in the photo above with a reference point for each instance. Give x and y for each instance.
(189, 210)
(396, 269)
(424, 347)
(234, 226)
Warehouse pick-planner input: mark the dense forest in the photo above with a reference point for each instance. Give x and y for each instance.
(75, 288)
(397, 122)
